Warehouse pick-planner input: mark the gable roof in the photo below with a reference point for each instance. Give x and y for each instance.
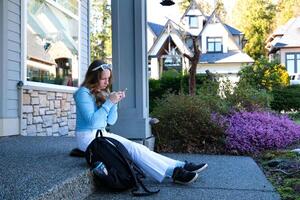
(285, 36)
(213, 18)
(291, 36)
(173, 30)
(233, 30)
(193, 5)
(156, 28)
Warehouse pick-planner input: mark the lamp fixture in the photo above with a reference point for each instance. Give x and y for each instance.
(167, 3)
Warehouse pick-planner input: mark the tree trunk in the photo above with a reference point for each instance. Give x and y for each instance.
(194, 61)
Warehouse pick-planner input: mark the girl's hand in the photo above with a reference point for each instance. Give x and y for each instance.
(115, 97)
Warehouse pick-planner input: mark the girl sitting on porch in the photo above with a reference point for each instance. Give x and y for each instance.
(96, 107)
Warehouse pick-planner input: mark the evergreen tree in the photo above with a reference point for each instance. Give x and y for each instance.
(255, 18)
(101, 44)
(286, 9)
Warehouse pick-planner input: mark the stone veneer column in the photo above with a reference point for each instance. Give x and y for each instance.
(48, 113)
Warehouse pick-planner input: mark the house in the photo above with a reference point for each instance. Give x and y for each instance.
(283, 45)
(44, 54)
(221, 45)
(167, 50)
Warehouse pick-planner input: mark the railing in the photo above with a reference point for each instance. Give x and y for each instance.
(294, 78)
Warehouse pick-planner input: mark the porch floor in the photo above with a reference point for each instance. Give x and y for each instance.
(41, 168)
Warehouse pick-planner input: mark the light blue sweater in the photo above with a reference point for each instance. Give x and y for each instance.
(88, 115)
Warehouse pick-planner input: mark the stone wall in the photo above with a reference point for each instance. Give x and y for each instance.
(48, 113)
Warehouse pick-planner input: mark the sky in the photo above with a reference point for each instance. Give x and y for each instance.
(160, 14)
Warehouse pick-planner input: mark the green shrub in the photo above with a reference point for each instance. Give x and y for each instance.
(200, 79)
(247, 98)
(287, 98)
(265, 75)
(170, 82)
(186, 125)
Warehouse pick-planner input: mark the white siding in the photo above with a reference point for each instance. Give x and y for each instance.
(222, 68)
(218, 30)
(13, 59)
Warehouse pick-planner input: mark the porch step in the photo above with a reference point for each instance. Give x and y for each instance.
(41, 168)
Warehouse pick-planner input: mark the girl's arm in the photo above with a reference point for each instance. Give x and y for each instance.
(86, 107)
(112, 115)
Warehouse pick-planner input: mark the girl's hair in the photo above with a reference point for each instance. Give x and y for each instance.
(92, 78)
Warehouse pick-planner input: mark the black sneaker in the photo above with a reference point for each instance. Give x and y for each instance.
(192, 167)
(182, 176)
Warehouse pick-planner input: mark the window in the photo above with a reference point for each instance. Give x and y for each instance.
(193, 22)
(172, 62)
(214, 44)
(293, 63)
(52, 41)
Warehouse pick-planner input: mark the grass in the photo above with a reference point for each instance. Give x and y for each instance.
(282, 168)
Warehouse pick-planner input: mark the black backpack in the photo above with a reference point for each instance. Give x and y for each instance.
(123, 173)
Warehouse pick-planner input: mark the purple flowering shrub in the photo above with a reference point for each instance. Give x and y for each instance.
(252, 132)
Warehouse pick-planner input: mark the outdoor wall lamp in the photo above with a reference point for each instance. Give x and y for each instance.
(167, 3)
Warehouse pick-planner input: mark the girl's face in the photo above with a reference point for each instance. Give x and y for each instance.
(104, 79)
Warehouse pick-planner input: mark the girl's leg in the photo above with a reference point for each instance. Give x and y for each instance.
(154, 164)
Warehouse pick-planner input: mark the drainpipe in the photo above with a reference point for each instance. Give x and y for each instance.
(20, 94)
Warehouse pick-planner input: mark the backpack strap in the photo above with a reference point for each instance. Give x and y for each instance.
(147, 192)
(132, 166)
(97, 133)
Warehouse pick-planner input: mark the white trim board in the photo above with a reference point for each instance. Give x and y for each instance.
(9, 126)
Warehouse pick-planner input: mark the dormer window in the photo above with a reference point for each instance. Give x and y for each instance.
(193, 22)
(214, 44)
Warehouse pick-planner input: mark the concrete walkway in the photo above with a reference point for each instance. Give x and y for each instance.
(40, 168)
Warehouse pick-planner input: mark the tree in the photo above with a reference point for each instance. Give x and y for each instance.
(101, 45)
(286, 9)
(194, 61)
(202, 4)
(264, 75)
(220, 10)
(255, 18)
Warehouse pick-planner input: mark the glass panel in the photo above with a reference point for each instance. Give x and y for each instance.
(290, 66)
(210, 47)
(172, 62)
(71, 5)
(193, 22)
(290, 56)
(298, 66)
(52, 42)
(218, 40)
(218, 47)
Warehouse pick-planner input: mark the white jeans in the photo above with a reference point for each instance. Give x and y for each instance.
(150, 162)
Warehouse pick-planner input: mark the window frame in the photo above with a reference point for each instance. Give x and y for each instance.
(41, 85)
(296, 67)
(214, 44)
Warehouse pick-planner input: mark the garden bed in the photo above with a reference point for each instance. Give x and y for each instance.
(282, 168)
